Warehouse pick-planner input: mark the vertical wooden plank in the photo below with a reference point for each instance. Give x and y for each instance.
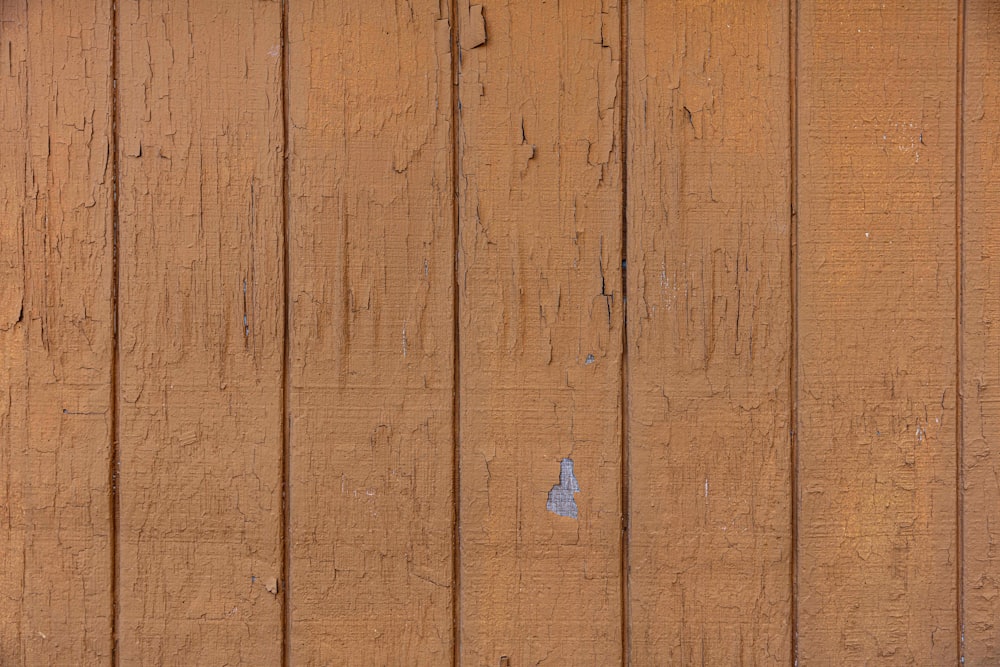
(876, 313)
(709, 333)
(540, 313)
(371, 334)
(13, 339)
(981, 336)
(201, 332)
(56, 332)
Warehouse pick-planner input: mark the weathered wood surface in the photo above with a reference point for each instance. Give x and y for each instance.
(583, 332)
(709, 326)
(56, 333)
(540, 332)
(200, 326)
(371, 375)
(876, 308)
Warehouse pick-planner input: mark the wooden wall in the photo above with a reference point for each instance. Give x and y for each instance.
(576, 332)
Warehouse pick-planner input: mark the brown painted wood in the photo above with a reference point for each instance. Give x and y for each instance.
(709, 223)
(980, 353)
(56, 333)
(201, 330)
(371, 232)
(454, 371)
(540, 314)
(876, 333)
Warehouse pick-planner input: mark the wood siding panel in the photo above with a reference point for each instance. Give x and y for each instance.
(709, 224)
(540, 315)
(371, 333)
(56, 332)
(316, 344)
(201, 293)
(980, 352)
(876, 332)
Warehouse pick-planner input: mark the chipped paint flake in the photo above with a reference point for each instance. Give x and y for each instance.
(475, 34)
(561, 499)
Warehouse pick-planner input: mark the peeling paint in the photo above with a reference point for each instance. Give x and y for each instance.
(475, 34)
(561, 499)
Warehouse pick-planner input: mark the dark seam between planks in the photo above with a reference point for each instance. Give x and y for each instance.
(286, 547)
(626, 624)
(793, 338)
(113, 463)
(456, 556)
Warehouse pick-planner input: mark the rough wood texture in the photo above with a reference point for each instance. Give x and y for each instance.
(450, 210)
(876, 313)
(709, 333)
(540, 308)
(56, 324)
(980, 334)
(371, 298)
(201, 332)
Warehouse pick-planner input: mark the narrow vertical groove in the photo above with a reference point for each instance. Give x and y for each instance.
(793, 372)
(959, 346)
(625, 597)
(115, 338)
(456, 554)
(286, 542)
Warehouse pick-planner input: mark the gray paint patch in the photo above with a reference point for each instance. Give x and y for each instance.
(561, 500)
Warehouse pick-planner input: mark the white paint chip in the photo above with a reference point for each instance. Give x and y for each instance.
(561, 499)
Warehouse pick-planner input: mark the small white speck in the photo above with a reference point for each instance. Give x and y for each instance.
(590, 359)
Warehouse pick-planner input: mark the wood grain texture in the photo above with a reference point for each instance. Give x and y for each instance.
(980, 353)
(540, 314)
(877, 324)
(709, 223)
(371, 334)
(201, 332)
(56, 332)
